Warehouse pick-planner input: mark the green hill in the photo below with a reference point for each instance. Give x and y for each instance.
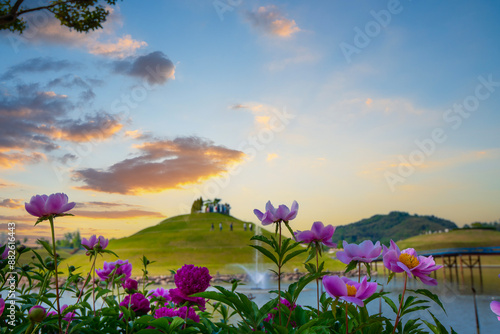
(187, 239)
(453, 239)
(396, 226)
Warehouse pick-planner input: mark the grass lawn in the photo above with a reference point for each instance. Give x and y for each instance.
(452, 239)
(187, 239)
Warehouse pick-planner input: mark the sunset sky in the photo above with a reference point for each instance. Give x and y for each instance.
(352, 108)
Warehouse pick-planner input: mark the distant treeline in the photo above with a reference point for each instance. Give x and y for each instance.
(395, 225)
(485, 226)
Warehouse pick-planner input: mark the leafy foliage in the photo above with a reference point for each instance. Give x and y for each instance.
(82, 15)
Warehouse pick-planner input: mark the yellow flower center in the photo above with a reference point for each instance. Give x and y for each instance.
(409, 260)
(351, 290)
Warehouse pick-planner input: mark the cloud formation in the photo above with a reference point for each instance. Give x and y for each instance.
(270, 21)
(11, 203)
(33, 120)
(38, 65)
(48, 30)
(154, 67)
(161, 165)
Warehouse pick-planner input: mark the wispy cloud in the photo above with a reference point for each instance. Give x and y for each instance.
(11, 203)
(100, 42)
(108, 214)
(38, 65)
(161, 165)
(272, 22)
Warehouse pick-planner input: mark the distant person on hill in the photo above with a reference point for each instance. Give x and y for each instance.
(244, 226)
(231, 226)
(212, 228)
(220, 227)
(251, 227)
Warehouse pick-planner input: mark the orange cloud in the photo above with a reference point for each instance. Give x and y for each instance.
(12, 203)
(271, 21)
(161, 165)
(271, 156)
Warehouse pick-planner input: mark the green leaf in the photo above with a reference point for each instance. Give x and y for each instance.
(292, 255)
(391, 276)
(266, 252)
(46, 245)
(391, 304)
(263, 239)
(176, 322)
(351, 266)
(431, 296)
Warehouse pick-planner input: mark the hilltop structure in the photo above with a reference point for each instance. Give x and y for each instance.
(200, 206)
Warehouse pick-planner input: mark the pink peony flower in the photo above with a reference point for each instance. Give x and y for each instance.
(495, 307)
(44, 206)
(160, 294)
(318, 233)
(190, 280)
(348, 290)
(37, 313)
(177, 312)
(138, 303)
(364, 252)
(97, 243)
(124, 268)
(274, 215)
(410, 262)
(283, 301)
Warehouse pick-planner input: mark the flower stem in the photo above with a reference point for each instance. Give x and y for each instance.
(346, 320)
(400, 305)
(51, 220)
(279, 274)
(317, 278)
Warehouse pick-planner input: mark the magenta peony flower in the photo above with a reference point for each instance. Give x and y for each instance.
(272, 315)
(5, 253)
(67, 317)
(124, 268)
(177, 312)
(318, 233)
(409, 261)
(97, 243)
(2, 305)
(190, 280)
(273, 215)
(364, 252)
(137, 302)
(130, 285)
(348, 290)
(160, 294)
(37, 313)
(44, 206)
(494, 305)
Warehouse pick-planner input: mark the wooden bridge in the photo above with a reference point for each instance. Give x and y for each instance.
(455, 259)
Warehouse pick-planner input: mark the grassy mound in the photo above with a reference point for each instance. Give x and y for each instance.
(187, 239)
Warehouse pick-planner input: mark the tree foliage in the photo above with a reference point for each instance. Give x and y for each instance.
(81, 15)
(396, 226)
(197, 205)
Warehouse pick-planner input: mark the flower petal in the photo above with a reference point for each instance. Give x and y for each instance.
(334, 286)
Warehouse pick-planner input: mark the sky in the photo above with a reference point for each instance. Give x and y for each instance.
(351, 108)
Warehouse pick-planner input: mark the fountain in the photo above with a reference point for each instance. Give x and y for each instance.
(257, 277)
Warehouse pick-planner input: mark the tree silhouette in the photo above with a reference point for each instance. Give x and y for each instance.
(81, 15)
